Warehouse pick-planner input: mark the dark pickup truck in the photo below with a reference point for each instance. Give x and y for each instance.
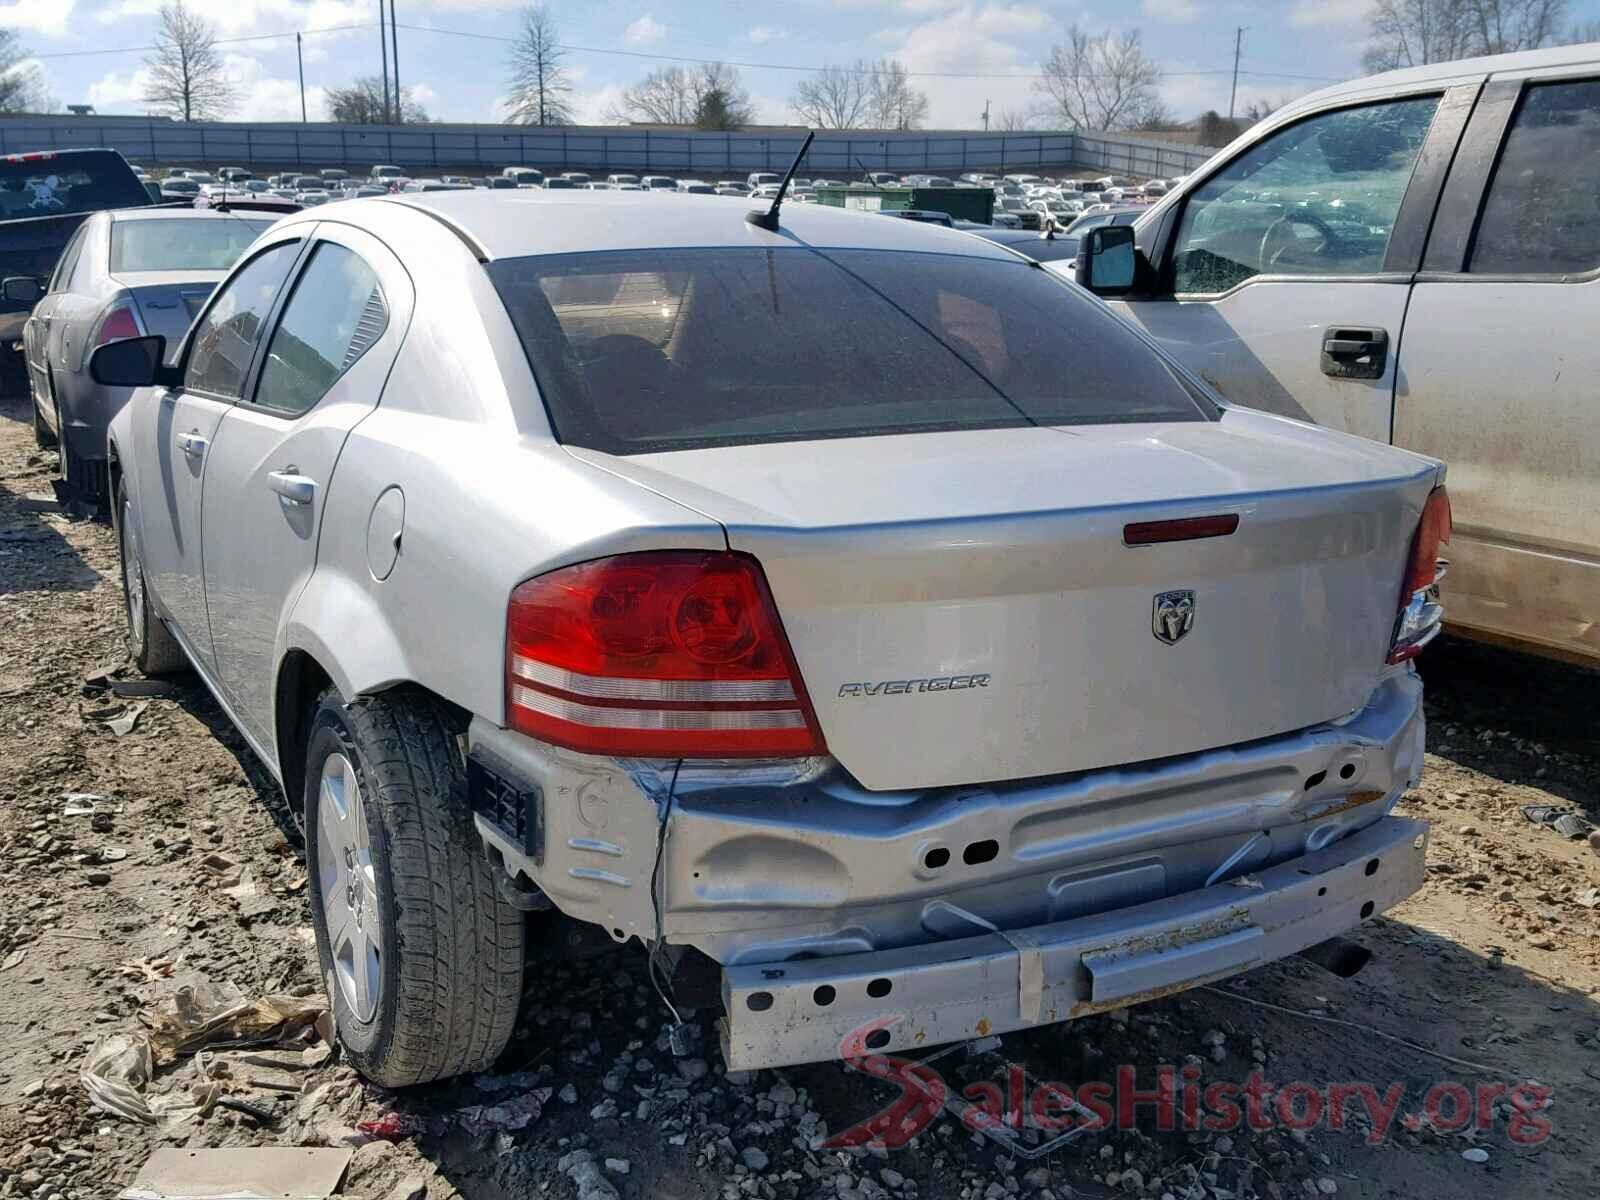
(44, 196)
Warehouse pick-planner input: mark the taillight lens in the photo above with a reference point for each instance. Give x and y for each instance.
(668, 654)
(116, 323)
(1421, 615)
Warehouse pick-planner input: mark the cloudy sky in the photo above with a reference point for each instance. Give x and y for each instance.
(982, 50)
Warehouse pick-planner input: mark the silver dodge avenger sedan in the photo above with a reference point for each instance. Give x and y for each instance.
(852, 610)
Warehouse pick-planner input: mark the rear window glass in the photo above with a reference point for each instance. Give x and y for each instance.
(671, 349)
(182, 244)
(68, 183)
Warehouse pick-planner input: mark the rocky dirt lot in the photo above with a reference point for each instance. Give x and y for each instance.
(184, 864)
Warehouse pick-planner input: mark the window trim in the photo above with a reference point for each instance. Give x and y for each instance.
(1416, 203)
(258, 362)
(1461, 210)
(269, 319)
(62, 274)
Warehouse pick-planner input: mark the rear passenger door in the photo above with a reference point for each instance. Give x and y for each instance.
(1284, 277)
(1500, 359)
(327, 357)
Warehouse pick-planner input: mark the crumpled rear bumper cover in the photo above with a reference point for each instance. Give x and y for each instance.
(920, 996)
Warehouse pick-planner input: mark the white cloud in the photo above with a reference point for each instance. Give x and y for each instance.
(645, 31)
(113, 92)
(994, 39)
(48, 17)
(762, 34)
(591, 108)
(1175, 10)
(1310, 14)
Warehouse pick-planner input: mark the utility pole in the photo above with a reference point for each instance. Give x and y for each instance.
(383, 46)
(300, 59)
(394, 38)
(1238, 38)
(986, 116)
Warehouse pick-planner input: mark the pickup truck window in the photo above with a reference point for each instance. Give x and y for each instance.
(1542, 213)
(649, 350)
(72, 181)
(1319, 197)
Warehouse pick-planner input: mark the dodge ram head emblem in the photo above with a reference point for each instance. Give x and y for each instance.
(1173, 615)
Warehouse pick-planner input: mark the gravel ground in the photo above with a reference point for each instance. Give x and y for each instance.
(195, 871)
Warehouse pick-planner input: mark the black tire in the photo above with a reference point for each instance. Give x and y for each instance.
(450, 968)
(41, 432)
(151, 646)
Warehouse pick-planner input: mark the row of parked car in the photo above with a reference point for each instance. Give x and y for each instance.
(762, 539)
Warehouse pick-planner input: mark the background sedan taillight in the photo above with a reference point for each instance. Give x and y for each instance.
(664, 654)
(117, 322)
(1421, 614)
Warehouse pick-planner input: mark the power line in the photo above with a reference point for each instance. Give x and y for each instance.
(745, 64)
(767, 66)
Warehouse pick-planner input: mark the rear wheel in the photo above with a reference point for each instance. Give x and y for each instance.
(420, 954)
(41, 432)
(151, 646)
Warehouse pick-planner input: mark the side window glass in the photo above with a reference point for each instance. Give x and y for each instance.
(225, 336)
(69, 260)
(335, 313)
(1542, 213)
(1317, 198)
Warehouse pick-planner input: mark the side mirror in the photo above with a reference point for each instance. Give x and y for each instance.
(1107, 260)
(132, 362)
(21, 289)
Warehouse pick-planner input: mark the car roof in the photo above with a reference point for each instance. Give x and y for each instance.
(504, 224)
(1408, 78)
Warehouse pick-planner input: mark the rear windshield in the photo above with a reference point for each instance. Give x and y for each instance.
(672, 349)
(68, 183)
(182, 244)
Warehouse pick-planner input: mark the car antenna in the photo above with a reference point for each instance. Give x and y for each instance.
(769, 220)
(866, 175)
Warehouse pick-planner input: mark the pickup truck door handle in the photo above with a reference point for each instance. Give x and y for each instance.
(292, 486)
(1355, 353)
(192, 444)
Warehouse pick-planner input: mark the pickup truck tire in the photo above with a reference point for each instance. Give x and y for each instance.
(420, 954)
(150, 644)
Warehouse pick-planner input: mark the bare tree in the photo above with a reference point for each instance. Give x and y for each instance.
(540, 91)
(1013, 120)
(1412, 33)
(362, 104)
(710, 96)
(21, 84)
(895, 104)
(1583, 31)
(1101, 81)
(837, 97)
(187, 77)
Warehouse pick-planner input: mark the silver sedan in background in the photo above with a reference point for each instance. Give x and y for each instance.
(124, 274)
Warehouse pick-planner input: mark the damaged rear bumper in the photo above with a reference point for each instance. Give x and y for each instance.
(915, 996)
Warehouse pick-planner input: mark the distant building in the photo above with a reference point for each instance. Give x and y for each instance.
(81, 110)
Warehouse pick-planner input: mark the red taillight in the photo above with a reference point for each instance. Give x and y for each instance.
(1421, 617)
(1184, 529)
(117, 323)
(664, 654)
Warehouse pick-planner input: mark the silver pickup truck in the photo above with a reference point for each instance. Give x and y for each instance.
(1415, 258)
(852, 606)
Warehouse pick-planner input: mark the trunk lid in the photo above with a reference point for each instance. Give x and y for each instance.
(169, 301)
(963, 607)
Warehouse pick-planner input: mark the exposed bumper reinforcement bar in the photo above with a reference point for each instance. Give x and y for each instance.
(802, 1011)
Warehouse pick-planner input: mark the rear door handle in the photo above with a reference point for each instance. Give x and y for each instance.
(292, 486)
(192, 444)
(1355, 353)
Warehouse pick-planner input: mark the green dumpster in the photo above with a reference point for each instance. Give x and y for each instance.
(963, 204)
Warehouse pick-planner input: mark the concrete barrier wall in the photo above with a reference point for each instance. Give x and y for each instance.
(434, 148)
